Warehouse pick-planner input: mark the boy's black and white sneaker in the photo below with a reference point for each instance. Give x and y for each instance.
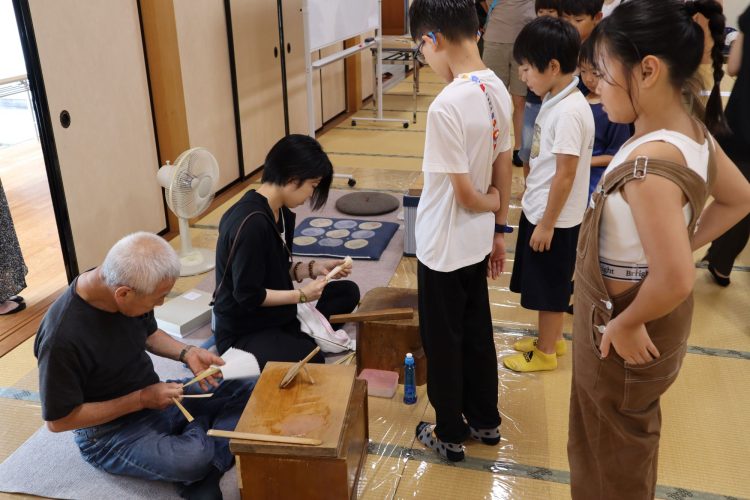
(517, 161)
(451, 451)
(489, 437)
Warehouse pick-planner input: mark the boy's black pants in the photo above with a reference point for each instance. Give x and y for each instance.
(456, 329)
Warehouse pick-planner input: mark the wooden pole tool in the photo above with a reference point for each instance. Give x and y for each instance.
(264, 437)
(379, 315)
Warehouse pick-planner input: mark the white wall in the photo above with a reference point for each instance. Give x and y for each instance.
(11, 56)
(732, 10)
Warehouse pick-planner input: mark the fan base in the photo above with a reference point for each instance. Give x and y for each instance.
(198, 261)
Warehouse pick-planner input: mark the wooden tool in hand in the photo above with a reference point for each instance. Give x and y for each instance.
(187, 414)
(237, 364)
(346, 265)
(296, 367)
(264, 437)
(380, 315)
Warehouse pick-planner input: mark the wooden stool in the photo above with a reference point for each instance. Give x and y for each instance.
(383, 344)
(333, 409)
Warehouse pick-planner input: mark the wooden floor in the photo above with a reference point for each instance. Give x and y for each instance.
(704, 447)
(25, 183)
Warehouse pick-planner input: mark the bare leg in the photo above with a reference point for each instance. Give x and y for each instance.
(550, 331)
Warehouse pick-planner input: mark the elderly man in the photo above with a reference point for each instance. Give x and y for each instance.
(96, 378)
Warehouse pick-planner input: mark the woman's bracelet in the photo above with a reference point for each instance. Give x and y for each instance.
(310, 269)
(294, 271)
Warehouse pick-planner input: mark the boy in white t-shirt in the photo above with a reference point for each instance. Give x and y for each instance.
(461, 221)
(556, 188)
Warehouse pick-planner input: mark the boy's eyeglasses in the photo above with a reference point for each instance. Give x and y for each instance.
(418, 55)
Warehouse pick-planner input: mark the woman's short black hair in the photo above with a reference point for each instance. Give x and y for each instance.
(547, 38)
(581, 7)
(298, 158)
(547, 4)
(455, 19)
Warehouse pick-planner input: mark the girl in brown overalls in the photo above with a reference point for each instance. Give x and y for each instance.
(634, 269)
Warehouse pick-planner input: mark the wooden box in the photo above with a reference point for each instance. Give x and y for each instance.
(334, 410)
(383, 344)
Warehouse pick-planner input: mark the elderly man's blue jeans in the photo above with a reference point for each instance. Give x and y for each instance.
(162, 445)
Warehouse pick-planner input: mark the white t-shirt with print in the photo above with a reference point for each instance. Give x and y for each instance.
(459, 140)
(566, 126)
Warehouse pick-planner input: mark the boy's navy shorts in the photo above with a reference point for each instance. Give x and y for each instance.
(544, 279)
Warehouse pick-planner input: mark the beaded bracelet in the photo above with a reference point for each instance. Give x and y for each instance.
(310, 269)
(294, 271)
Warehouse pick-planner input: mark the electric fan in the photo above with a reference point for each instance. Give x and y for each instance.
(189, 186)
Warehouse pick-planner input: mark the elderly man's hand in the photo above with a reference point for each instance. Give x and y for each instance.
(199, 359)
(160, 395)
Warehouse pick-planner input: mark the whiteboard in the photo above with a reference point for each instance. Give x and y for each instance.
(331, 21)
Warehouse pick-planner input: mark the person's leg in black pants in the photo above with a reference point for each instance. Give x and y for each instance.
(288, 344)
(339, 297)
(442, 304)
(725, 249)
(480, 379)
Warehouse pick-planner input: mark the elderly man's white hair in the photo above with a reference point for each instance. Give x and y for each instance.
(140, 261)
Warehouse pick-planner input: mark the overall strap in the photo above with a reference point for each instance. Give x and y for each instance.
(690, 183)
(234, 246)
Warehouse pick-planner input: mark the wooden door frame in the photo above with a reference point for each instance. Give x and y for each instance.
(46, 135)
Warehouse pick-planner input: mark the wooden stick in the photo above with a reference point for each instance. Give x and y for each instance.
(345, 359)
(309, 356)
(296, 367)
(205, 373)
(337, 269)
(264, 437)
(208, 395)
(379, 315)
(309, 377)
(187, 414)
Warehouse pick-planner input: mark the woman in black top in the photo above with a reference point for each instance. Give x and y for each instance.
(256, 303)
(725, 249)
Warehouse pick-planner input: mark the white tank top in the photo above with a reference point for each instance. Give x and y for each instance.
(621, 255)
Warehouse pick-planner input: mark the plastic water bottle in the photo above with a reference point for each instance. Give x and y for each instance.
(410, 390)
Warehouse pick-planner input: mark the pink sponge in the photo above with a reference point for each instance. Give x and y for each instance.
(380, 383)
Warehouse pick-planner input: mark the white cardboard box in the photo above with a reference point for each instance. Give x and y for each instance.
(184, 314)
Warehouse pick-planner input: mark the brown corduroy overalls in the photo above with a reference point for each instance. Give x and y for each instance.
(615, 416)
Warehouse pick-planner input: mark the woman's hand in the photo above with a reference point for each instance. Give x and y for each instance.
(633, 344)
(314, 289)
(323, 268)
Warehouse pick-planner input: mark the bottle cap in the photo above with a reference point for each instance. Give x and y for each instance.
(409, 359)
(408, 355)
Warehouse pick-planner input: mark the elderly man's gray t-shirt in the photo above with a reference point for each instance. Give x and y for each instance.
(87, 355)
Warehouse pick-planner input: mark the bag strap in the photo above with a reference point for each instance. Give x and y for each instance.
(234, 246)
